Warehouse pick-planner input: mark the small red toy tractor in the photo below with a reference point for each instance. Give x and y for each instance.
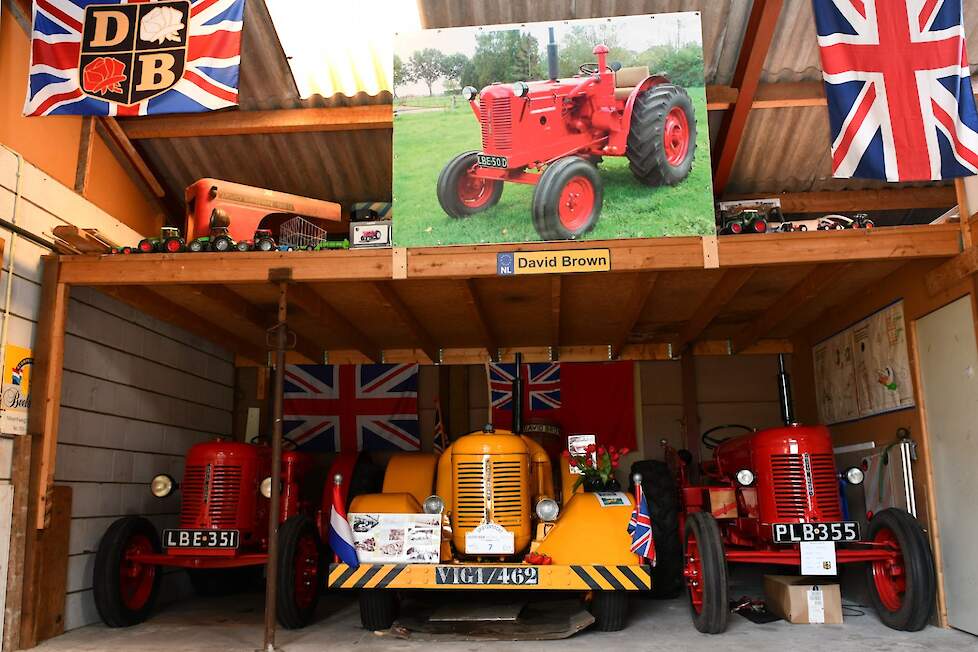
(222, 538)
(764, 496)
(551, 134)
(263, 241)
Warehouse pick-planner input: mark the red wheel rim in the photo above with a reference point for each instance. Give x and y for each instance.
(576, 203)
(694, 573)
(675, 136)
(306, 572)
(146, 246)
(760, 226)
(890, 575)
(173, 246)
(473, 191)
(735, 227)
(135, 578)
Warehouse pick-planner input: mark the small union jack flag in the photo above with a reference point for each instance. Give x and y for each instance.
(898, 85)
(541, 384)
(640, 527)
(352, 407)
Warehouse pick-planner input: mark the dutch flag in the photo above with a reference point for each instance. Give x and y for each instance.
(340, 534)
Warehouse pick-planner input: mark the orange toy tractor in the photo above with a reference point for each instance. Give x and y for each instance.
(552, 133)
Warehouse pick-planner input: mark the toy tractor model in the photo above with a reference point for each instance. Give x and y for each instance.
(263, 241)
(222, 536)
(551, 134)
(218, 236)
(170, 241)
(745, 221)
(764, 496)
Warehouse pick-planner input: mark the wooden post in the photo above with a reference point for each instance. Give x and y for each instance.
(964, 213)
(691, 400)
(86, 149)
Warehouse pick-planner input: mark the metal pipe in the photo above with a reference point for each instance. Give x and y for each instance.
(784, 393)
(271, 566)
(553, 66)
(518, 395)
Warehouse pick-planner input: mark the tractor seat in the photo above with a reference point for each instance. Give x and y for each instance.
(626, 79)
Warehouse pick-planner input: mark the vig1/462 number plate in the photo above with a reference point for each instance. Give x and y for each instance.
(490, 161)
(798, 532)
(482, 575)
(200, 538)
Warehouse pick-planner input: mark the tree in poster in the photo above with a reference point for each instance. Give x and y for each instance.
(427, 66)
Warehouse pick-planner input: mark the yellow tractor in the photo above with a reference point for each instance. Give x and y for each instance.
(501, 527)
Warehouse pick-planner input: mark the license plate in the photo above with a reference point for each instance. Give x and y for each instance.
(797, 532)
(200, 538)
(483, 575)
(490, 161)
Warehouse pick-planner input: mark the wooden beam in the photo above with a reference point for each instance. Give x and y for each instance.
(946, 275)
(753, 53)
(851, 201)
(632, 311)
(489, 340)
(133, 157)
(820, 278)
(691, 406)
(721, 294)
(780, 95)
(86, 149)
(315, 305)
(22, 533)
(420, 334)
(244, 123)
(555, 299)
(79, 239)
(964, 213)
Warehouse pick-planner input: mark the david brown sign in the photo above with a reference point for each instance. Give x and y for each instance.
(553, 262)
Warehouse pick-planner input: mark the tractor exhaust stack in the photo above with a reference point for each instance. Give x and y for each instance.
(552, 65)
(784, 393)
(518, 396)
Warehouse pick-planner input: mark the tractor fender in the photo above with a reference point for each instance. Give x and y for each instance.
(587, 532)
(411, 473)
(386, 503)
(618, 139)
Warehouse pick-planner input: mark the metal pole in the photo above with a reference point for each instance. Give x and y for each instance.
(271, 567)
(784, 393)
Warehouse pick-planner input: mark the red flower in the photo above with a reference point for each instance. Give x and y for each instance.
(624, 451)
(611, 449)
(591, 448)
(103, 75)
(614, 464)
(588, 463)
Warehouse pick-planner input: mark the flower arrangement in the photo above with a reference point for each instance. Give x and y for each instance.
(597, 466)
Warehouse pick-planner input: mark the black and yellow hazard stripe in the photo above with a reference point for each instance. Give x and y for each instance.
(615, 578)
(365, 576)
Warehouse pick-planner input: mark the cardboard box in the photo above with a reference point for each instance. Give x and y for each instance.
(803, 600)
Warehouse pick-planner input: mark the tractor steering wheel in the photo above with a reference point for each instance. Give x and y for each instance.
(592, 68)
(292, 445)
(712, 442)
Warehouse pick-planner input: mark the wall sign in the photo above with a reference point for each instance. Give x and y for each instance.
(553, 262)
(15, 390)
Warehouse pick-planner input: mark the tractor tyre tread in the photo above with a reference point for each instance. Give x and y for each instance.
(105, 580)
(662, 497)
(448, 182)
(546, 196)
(715, 613)
(610, 610)
(290, 615)
(645, 148)
(915, 612)
(378, 609)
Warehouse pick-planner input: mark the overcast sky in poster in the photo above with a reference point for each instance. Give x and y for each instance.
(636, 33)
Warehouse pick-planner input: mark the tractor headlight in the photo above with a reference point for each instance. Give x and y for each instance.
(745, 477)
(265, 488)
(161, 486)
(547, 510)
(855, 475)
(433, 505)
(521, 88)
(469, 93)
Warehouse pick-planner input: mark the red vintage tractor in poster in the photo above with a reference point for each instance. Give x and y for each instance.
(767, 494)
(552, 133)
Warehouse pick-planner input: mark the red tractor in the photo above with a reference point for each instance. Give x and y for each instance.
(222, 538)
(553, 133)
(765, 495)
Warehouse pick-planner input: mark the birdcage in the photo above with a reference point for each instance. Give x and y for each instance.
(300, 233)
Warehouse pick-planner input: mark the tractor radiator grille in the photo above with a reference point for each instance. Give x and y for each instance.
(497, 125)
(219, 486)
(505, 496)
(790, 488)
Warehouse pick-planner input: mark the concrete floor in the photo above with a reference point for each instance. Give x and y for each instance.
(235, 624)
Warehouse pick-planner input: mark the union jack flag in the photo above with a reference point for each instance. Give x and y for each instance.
(899, 92)
(541, 384)
(134, 57)
(640, 527)
(352, 407)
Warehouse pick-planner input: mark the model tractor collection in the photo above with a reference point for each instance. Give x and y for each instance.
(222, 536)
(551, 134)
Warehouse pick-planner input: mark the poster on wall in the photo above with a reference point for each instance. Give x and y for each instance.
(563, 130)
(15, 389)
(865, 369)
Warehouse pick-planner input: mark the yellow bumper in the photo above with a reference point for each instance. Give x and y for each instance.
(491, 576)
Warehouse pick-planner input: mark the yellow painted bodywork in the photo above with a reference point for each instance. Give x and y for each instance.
(587, 533)
(411, 473)
(393, 503)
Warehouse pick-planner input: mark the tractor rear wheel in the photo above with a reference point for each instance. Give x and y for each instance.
(662, 136)
(125, 591)
(265, 244)
(609, 608)
(567, 200)
(902, 589)
(300, 572)
(662, 497)
(706, 573)
(221, 243)
(378, 609)
(461, 194)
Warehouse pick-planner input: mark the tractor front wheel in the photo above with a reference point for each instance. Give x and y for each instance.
(567, 200)
(125, 590)
(662, 136)
(242, 246)
(902, 588)
(265, 244)
(300, 572)
(196, 246)
(706, 573)
(461, 194)
(609, 608)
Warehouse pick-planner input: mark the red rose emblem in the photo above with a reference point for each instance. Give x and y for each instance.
(103, 75)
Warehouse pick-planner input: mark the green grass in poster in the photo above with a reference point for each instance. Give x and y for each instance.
(424, 141)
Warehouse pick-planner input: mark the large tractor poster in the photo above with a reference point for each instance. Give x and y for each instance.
(568, 130)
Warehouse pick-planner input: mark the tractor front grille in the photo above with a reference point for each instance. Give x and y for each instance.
(210, 492)
(496, 117)
(791, 488)
(499, 496)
